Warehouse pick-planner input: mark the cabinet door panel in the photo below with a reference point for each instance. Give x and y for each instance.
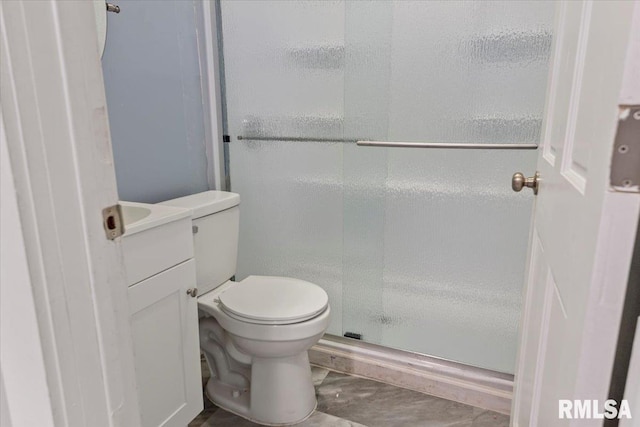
(167, 355)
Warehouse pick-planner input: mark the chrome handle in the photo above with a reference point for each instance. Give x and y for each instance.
(367, 143)
(447, 145)
(519, 181)
(192, 292)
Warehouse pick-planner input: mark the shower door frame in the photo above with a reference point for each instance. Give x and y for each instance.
(361, 358)
(430, 374)
(211, 70)
(218, 146)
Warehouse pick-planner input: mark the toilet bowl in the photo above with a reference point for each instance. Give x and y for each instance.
(254, 333)
(270, 379)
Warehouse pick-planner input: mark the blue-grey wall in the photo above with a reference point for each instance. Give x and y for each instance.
(152, 80)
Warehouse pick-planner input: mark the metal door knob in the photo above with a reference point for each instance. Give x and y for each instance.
(192, 292)
(519, 181)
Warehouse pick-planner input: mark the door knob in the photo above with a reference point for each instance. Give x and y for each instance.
(519, 181)
(192, 292)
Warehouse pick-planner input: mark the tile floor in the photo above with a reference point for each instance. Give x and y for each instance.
(345, 400)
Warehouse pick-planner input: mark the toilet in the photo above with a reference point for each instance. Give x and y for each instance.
(254, 333)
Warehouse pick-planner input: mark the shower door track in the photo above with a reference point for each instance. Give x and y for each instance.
(397, 144)
(479, 387)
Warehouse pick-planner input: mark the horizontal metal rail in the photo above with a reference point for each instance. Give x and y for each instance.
(293, 138)
(396, 144)
(452, 145)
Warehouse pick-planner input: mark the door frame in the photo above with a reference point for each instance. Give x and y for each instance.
(610, 271)
(66, 354)
(627, 353)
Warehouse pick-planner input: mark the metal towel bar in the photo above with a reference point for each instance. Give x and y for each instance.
(292, 138)
(454, 145)
(363, 143)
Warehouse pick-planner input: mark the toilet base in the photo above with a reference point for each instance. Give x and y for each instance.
(281, 392)
(246, 417)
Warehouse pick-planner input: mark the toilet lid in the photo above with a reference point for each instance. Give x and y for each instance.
(274, 300)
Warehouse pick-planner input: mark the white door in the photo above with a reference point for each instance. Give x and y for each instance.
(66, 357)
(583, 229)
(164, 321)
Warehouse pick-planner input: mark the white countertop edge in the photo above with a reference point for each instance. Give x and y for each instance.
(160, 214)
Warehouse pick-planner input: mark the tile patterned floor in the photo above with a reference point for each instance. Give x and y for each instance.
(345, 401)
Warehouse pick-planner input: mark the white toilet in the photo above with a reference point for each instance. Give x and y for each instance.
(254, 333)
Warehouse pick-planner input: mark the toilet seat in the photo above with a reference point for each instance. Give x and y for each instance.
(272, 300)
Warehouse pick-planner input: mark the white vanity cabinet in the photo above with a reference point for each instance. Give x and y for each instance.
(164, 323)
(164, 317)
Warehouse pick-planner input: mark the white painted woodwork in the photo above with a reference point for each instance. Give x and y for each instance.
(22, 365)
(630, 93)
(156, 249)
(5, 415)
(164, 320)
(58, 144)
(582, 232)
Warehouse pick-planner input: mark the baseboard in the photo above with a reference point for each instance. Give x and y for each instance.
(473, 386)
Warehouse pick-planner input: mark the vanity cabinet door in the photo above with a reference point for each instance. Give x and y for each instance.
(164, 322)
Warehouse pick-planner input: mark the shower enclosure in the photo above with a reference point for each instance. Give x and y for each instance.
(420, 249)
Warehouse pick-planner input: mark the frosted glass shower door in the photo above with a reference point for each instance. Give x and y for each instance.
(435, 240)
(418, 249)
(284, 74)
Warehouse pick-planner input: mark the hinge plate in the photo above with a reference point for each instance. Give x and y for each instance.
(625, 162)
(112, 221)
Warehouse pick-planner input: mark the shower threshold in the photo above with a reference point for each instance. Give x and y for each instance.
(443, 378)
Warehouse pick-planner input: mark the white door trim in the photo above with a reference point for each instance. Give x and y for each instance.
(611, 272)
(59, 150)
(630, 93)
(19, 347)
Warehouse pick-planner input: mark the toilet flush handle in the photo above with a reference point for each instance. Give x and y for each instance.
(192, 292)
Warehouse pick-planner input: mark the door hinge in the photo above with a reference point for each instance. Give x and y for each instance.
(112, 221)
(625, 162)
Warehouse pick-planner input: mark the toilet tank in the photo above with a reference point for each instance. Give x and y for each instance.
(216, 221)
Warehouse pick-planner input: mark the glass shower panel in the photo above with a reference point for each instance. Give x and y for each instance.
(435, 240)
(285, 80)
(468, 71)
(453, 249)
(367, 72)
(419, 249)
